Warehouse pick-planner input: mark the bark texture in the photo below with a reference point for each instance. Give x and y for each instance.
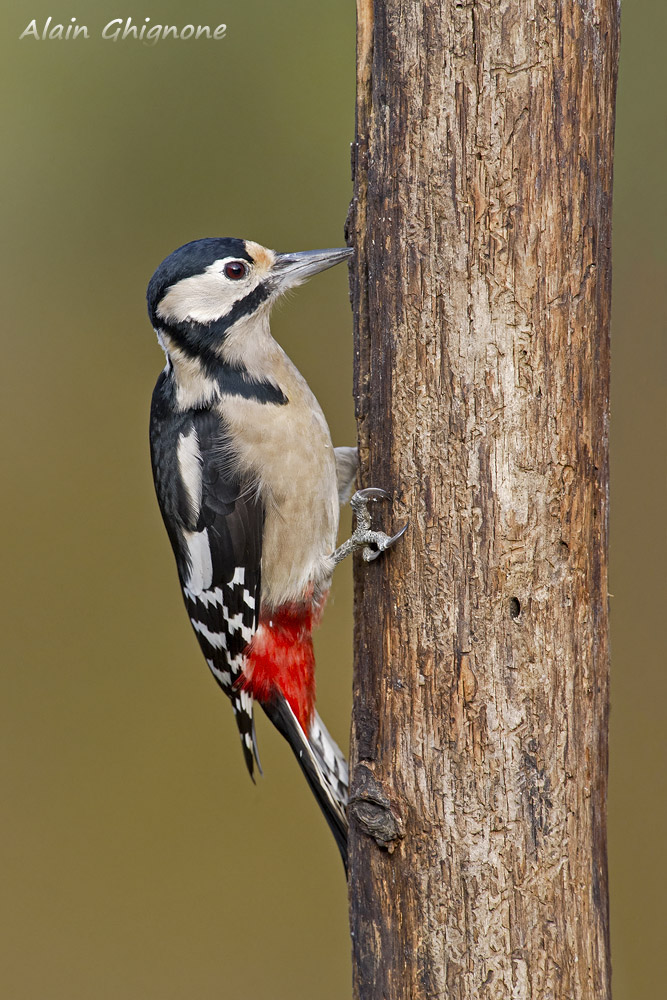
(482, 221)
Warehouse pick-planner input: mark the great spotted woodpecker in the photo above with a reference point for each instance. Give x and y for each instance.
(249, 486)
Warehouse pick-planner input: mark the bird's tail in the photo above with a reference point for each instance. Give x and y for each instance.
(322, 763)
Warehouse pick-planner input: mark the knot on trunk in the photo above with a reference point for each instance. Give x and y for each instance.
(372, 810)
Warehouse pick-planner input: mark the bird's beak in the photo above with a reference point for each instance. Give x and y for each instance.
(291, 269)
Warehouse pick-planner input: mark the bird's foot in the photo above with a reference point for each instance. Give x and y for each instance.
(363, 536)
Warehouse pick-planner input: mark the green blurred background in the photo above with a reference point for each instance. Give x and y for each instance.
(138, 860)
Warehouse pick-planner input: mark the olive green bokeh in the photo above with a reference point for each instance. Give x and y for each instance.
(139, 861)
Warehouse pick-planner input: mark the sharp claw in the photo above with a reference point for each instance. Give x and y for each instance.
(385, 543)
(399, 534)
(363, 535)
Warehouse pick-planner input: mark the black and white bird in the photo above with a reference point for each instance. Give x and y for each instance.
(249, 486)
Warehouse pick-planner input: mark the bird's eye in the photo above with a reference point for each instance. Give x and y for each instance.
(236, 269)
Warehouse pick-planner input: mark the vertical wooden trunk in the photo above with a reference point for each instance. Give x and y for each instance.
(482, 221)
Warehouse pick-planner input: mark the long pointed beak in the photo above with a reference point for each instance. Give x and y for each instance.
(292, 268)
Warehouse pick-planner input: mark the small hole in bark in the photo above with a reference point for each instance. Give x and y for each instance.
(515, 607)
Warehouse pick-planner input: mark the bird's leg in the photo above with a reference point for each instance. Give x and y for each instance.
(363, 535)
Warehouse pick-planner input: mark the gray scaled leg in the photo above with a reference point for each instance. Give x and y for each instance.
(363, 536)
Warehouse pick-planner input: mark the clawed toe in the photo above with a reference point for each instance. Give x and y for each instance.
(363, 537)
(370, 554)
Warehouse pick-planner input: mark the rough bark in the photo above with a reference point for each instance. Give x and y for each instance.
(482, 221)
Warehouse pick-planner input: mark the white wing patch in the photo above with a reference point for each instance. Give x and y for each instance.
(218, 640)
(199, 558)
(235, 623)
(224, 676)
(190, 468)
(206, 597)
(224, 619)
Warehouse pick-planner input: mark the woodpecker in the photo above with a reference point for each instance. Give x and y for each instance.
(249, 486)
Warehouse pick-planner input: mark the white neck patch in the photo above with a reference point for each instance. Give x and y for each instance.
(193, 386)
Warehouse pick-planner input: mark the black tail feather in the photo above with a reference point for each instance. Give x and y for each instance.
(325, 785)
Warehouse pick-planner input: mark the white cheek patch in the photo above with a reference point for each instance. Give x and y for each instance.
(205, 297)
(201, 564)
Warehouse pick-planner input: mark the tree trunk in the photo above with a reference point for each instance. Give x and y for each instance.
(482, 222)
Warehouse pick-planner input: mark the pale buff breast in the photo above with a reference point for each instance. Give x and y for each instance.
(287, 451)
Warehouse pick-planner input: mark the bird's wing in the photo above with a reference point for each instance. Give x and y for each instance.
(215, 525)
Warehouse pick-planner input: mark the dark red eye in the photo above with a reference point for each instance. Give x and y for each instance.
(236, 269)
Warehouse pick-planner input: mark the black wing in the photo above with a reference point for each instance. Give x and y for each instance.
(214, 521)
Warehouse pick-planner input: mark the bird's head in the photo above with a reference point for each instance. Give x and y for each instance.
(214, 283)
